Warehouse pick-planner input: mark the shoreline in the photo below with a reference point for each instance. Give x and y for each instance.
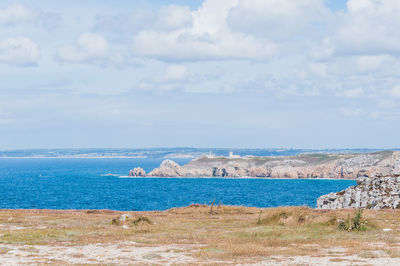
(230, 178)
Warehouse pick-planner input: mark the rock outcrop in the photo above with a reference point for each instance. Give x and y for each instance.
(375, 192)
(335, 166)
(137, 172)
(167, 168)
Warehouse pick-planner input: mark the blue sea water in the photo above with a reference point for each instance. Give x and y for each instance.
(60, 183)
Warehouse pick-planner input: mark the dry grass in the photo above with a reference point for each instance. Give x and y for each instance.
(228, 233)
(3, 251)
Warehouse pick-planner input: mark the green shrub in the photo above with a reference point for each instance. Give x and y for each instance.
(357, 223)
(115, 221)
(141, 219)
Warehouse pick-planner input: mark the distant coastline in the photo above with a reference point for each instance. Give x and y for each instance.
(74, 157)
(304, 166)
(229, 178)
(166, 153)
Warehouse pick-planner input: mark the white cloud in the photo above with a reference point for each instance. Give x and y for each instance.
(277, 19)
(395, 92)
(166, 18)
(387, 104)
(319, 69)
(374, 115)
(374, 62)
(174, 17)
(208, 38)
(89, 47)
(174, 73)
(258, 29)
(185, 46)
(94, 44)
(353, 93)
(173, 77)
(178, 77)
(16, 13)
(370, 27)
(368, 113)
(19, 51)
(235, 29)
(351, 111)
(275, 37)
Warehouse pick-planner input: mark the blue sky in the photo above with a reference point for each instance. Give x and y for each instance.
(226, 73)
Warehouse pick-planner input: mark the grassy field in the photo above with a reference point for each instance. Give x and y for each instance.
(213, 234)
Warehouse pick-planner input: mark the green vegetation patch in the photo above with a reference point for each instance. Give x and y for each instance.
(355, 223)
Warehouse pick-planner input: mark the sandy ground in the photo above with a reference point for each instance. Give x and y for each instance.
(335, 256)
(131, 253)
(123, 253)
(347, 260)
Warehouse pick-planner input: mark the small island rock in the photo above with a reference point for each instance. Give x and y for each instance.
(137, 172)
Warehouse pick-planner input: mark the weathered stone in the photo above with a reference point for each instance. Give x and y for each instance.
(137, 172)
(375, 192)
(167, 168)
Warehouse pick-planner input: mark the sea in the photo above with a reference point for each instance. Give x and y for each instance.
(97, 179)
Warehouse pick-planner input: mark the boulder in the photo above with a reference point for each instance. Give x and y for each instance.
(168, 168)
(137, 172)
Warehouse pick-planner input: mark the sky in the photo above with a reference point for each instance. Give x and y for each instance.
(200, 73)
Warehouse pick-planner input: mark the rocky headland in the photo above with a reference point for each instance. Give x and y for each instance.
(335, 166)
(381, 190)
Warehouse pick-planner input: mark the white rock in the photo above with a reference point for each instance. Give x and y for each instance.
(123, 217)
